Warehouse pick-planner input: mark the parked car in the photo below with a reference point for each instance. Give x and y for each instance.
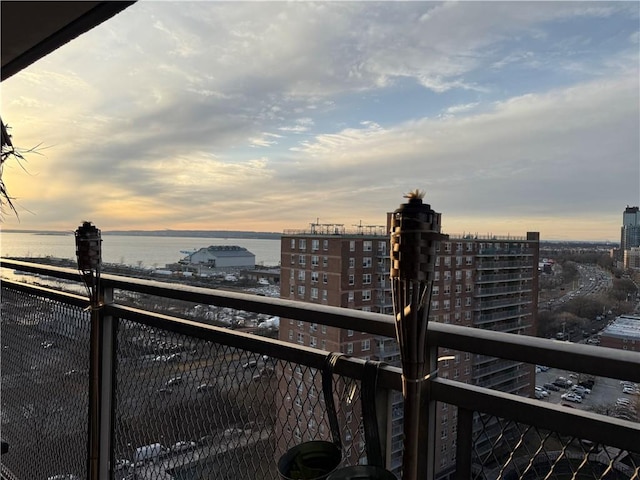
(551, 387)
(580, 390)
(174, 381)
(571, 397)
(250, 364)
(542, 391)
(182, 446)
(205, 387)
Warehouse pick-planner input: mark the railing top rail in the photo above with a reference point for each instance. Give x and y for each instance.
(606, 362)
(579, 423)
(596, 360)
(375, 323)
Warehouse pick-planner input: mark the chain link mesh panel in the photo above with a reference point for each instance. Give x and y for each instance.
(187, 408)
(45, 364)
(504, 449)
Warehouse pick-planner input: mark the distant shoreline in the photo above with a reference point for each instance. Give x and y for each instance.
(166, 233)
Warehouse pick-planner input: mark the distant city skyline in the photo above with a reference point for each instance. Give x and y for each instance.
(512, 116)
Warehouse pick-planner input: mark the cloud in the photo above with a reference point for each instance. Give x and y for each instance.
(262, 113)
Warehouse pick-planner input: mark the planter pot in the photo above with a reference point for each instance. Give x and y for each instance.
(361, 472)
(309, 461)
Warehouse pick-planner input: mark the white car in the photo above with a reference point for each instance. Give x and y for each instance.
(542, 391)
(571, 397)
(182, 446)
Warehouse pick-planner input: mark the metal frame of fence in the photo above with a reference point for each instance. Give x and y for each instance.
(624, 365)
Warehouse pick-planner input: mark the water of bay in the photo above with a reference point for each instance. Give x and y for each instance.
(144, 251)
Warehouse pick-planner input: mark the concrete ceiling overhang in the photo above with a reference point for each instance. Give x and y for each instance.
(31, 30)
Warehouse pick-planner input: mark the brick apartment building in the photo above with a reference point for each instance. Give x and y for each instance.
(482, 282)
(623, 333)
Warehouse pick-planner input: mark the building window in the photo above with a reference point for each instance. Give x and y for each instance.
(366, 278)
(438, 261)
(382, 248)
(324, 294)
(352, 262)
(458, 274)
(350, 347)
(446, 318)
(447, 289)
(458, 288)
(468, 274)
(436, 276)
(366, 295)
(315, 245)
(435, 305)
(366, 309)
(302, 244)
(366, 262)
(293, 259)
(314, 293)
(352, 245)
(458, 302)
(290, 334)
(314, 260)
(447, 261)
(459, 246)
(352, 280)
(293, 272)
(458, 261)
(313, 342)
(301, 275)
(469, 260)
(323, 344)
(314, 277)
(292, 289)
(447, 247)
(468, 287)
(323, 329)
(303, 260)
(293, 244)
(469, 247)
(301, 338)
(447, 275)
(467, 315)
(367, 246)
(325, 261)
(467, 301)
(366, 345)
(349, 333)
(435, 290)
(325, 244)
(446, 304)
(301, 290)
(351, 296)
(325, 278)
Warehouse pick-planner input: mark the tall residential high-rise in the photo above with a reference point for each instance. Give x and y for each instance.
(483, 282)
(629, 232)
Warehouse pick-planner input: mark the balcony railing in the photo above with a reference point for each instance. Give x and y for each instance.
(168, 379)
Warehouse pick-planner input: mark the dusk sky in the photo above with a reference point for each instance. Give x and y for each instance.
(511, 116)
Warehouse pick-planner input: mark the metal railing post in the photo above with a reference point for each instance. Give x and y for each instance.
(464, 443)
(101, 373)
(108, 325)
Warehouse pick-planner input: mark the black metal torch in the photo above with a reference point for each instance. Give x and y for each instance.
(415, 230)
(89, 254)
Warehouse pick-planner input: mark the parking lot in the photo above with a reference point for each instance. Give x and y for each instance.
(602, 398)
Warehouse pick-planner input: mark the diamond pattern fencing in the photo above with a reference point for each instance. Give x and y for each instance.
(45, 364)
(507, 450)
(188, 408)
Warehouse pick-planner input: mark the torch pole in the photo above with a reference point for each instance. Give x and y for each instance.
(415, 230)
(89, 254)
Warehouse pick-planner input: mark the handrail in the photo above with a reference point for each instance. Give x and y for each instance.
(601, 361)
